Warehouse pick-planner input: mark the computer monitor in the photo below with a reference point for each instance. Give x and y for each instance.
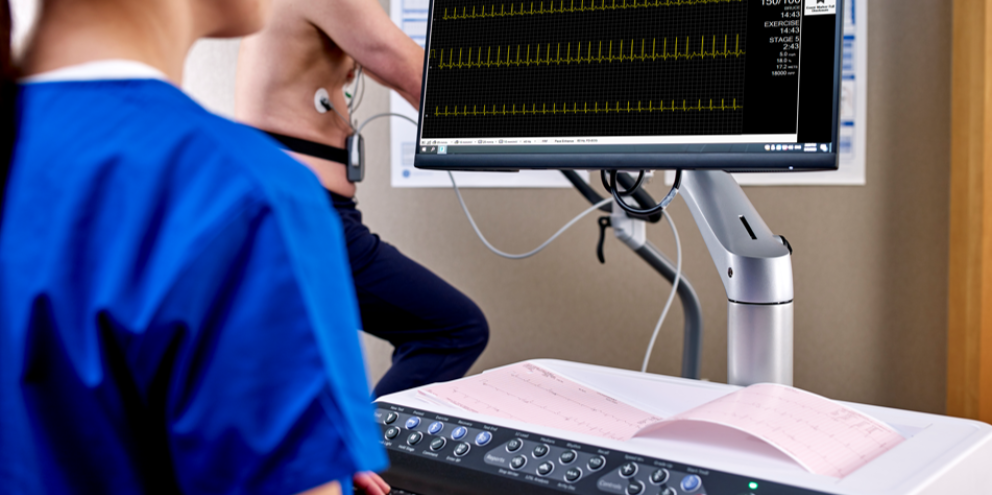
(738, 85)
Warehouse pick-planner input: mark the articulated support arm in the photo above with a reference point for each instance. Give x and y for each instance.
(756, 268)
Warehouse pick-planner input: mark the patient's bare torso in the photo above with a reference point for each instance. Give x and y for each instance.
(279, 71)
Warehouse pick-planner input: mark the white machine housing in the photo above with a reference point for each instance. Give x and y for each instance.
(941, 456)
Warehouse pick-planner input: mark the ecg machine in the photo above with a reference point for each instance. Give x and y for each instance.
(697, 86)
(443, 450)
(701, 87)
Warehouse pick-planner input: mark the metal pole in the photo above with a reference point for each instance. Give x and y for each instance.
(630, 234)
(756, 269)
(692, 345)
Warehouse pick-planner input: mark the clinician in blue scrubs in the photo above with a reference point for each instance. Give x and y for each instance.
(176, 309)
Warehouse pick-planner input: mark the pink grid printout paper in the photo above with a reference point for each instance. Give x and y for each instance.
(821, 435)
(532, 394)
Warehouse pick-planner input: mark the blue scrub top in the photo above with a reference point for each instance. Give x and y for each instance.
(176, 309)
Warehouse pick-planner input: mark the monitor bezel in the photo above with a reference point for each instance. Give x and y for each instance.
(690, 160)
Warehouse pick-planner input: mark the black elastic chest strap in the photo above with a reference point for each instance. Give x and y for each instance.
(334, 154)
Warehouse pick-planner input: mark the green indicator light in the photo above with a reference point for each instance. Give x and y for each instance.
(753, 485)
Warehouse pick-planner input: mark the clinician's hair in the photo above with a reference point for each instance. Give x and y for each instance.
(8, 98)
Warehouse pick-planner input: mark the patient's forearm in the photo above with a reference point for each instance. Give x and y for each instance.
(332, 488)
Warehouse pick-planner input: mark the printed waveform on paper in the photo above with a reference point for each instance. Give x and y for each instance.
(823, 436)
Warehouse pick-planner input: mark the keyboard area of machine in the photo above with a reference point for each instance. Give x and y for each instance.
(434, 454)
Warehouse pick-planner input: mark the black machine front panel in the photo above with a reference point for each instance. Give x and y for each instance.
(434, 454)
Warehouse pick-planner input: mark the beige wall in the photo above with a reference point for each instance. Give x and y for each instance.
(870, 262)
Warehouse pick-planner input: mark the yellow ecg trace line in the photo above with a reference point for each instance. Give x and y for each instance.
(523, 9)
(590, 52)
(594, 108)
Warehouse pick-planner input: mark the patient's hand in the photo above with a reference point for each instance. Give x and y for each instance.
(371, 484)
(365, 483)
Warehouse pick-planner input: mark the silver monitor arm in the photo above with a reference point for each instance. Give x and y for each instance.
(756, 268)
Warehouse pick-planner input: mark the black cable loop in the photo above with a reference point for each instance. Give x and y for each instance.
(628, 192)
(667, 200)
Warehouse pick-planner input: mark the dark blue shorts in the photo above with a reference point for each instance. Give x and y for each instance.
(436, 331)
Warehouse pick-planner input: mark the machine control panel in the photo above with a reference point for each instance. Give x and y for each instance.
(428, 449)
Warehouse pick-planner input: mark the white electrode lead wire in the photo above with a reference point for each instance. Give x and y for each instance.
(381, 115)
(675, 233)
(671, 296)
(472, 220)
(536, 250)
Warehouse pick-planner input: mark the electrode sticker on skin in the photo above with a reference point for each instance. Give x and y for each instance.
(321, 100)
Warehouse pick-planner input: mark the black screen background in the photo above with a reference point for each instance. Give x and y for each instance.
(769, 103)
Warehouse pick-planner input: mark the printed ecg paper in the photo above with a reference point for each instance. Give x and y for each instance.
(821, 435)
(527, 392)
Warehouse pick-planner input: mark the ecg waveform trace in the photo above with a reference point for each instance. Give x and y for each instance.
(585, 110)
(613, 67)
(523, 10)
(507, 57)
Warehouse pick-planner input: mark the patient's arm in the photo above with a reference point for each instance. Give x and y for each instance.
(363, 30)
(370, 483)
(332, 488)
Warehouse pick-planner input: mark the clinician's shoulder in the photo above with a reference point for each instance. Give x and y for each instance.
(142, 160)
(150, 128)
(249, 154)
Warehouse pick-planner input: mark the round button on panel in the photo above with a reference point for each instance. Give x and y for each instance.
(414, 438)
(596, 463)
(573, 474)
(459, 433)
(545, 468)
(628, 470)
(659, 476)
(669, 491)
(435, 428)
(438, 443)
(518, 462)
(541, 451)
(514, 445)
(412, 423)
(392, 432)
(462, 449)
(691, 483)
(483, 438)
(391, 418)
(635, 488)
(567, 457)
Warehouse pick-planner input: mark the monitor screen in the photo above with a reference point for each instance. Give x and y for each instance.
(631, 84)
